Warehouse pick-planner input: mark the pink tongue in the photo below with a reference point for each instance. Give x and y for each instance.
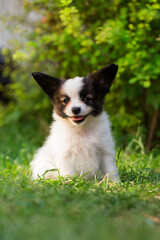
(77, 118)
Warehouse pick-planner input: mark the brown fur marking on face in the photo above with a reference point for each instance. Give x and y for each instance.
(59, 105)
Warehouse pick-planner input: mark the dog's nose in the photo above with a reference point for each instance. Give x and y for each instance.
(76, 110)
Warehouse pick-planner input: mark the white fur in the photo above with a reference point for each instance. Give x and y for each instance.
(72, 87)
(77, 148)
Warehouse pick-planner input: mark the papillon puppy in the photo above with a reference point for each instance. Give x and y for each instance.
(80, 140)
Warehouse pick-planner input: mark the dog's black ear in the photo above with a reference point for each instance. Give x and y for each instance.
(105, 77)
(47, 83)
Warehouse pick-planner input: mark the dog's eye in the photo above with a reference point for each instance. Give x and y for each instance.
(64, 100)
(88, 99)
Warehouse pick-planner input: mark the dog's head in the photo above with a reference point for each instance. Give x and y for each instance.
(75, 99)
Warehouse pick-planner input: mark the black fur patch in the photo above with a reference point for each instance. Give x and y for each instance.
(104, 77)
(90, 87)
(49, 84)
(98, 85)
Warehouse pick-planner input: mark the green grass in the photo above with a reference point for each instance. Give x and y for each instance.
(72, 208)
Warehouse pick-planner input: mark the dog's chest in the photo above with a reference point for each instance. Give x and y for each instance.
(78, 152)
(85, 154)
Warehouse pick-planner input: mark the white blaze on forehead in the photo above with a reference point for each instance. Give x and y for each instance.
(72, 87)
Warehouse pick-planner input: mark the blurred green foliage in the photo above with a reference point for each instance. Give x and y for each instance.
(77, 37)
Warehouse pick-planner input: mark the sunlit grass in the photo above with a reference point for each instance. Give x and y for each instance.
(73, 208)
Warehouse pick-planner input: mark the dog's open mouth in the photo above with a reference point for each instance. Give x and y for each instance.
(78, 119)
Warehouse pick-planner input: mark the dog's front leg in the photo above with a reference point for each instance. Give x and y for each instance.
(66, 168)
(109, 166)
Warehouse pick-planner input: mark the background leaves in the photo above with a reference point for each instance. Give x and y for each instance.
(77, 37)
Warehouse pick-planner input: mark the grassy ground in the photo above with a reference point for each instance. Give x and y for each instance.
(75, 208)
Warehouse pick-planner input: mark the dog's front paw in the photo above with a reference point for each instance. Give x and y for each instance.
(48, 174)
(51, 174)
(43, 170)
